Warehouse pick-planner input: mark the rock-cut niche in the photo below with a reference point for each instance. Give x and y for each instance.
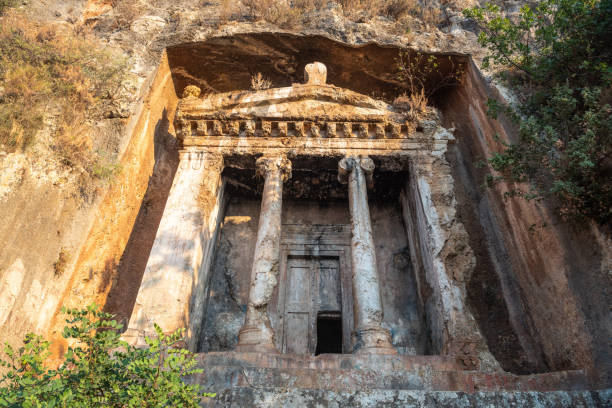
(312, 309)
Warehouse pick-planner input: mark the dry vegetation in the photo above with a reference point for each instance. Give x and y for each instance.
(126, 11)
(258, 82)
(56, 77)
(59, 266)
(423, 75)
(293, 13)
(428, 11)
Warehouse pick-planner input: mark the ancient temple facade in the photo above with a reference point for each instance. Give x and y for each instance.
(307, 162)
(314, 228)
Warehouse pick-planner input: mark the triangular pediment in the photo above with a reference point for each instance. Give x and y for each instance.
(298, 102)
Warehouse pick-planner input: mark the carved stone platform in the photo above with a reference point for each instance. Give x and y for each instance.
(349, 372)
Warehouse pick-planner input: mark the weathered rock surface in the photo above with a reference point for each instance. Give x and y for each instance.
(270, 397)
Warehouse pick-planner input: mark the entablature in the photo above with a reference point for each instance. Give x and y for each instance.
(313, 117)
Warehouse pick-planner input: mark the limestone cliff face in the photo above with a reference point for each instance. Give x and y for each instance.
(538, 288)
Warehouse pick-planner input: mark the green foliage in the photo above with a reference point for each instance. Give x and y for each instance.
(99, 369)
(557, 53)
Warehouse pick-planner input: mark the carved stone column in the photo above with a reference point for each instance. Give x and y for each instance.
(369, 335)
(256, 333)
(443, 256)
(172, 292)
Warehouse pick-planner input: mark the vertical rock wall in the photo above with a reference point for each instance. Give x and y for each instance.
(97, 261)
(554, 277)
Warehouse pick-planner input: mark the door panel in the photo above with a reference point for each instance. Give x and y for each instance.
(298, 285)
(330, 299)
(312, 285)
(298, 306)
(297, 337)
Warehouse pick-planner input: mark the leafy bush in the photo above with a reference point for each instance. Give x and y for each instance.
(99, 369)
(557, 54)
(53, 71)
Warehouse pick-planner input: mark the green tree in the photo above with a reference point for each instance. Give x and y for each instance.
(557, 54)
(99, 369)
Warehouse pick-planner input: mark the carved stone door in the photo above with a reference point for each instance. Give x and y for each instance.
(298, 305)
(314, 296)
(312, 291)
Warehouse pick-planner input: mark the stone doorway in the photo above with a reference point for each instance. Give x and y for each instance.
(312, 287)
(314, 291)
(329, 333)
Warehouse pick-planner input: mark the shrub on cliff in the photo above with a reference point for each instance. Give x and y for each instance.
(54, 76)
(292, 13)
(557, 53)
(99, 369)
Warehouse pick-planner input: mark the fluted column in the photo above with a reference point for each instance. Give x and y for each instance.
(172, 291)
(256, 333)
(369, 336)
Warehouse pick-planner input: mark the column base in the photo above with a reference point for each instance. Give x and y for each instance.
(256, 334)
(256, 339)
(372, 340)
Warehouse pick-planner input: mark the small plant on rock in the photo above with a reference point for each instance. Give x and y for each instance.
(423, 76)
(59, 266)
(258, 82)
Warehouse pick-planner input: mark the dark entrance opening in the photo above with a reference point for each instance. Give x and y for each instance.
(329, 333)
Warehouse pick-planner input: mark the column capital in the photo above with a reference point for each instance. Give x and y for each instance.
(195, 159)
(270, 163)
(346, 165)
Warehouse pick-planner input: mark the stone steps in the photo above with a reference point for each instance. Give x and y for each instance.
(221, 377)
(329, 361)
(343, 373)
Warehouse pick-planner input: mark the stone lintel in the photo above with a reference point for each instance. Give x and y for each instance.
(235, 101)
(316, 147)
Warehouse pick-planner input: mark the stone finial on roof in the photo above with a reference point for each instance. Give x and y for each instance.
(315, 73)
(191, 90)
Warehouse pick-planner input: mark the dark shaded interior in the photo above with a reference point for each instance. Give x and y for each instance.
(313, 178)
(329, 333)
(224, 64)
(306, 214)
